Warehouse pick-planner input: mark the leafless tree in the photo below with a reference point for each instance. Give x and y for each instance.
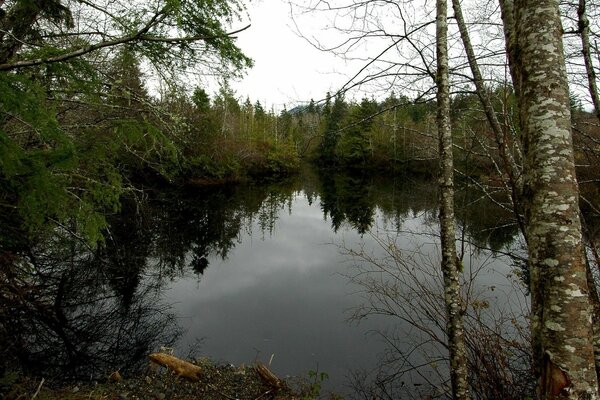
(403, 282)
(449, 263)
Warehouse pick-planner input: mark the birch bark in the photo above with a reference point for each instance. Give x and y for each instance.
(452, 297)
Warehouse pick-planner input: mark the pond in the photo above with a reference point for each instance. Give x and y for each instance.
(252, 272)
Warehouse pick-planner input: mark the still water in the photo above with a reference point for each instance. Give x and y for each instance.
(250, 272)
(280, 296)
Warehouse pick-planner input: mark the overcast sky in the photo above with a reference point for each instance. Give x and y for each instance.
(287, 70)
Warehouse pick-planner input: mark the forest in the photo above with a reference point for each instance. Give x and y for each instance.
(97, 114)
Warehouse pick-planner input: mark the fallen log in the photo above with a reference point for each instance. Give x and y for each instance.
(180, 367)
(267, 375)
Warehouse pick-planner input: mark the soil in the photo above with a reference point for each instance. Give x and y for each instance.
(222, 382)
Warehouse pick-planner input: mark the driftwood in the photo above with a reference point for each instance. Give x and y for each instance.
(268, 376)
(180, 367)
(115, 377)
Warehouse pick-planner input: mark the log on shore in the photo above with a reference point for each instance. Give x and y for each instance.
(268, 376)
(180, 367)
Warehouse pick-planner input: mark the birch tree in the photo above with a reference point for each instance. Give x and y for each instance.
(561, 313)
(452, 298)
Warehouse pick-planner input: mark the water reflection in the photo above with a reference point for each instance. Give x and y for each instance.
(68, 313)
(248, 267)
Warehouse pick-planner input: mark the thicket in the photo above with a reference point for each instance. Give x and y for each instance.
(75, 139)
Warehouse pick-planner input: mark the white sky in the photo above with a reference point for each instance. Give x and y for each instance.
(287, 70)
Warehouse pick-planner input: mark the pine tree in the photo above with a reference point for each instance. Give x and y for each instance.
(334, 116)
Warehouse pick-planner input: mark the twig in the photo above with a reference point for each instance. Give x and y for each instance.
(38, 389)
(264, 394)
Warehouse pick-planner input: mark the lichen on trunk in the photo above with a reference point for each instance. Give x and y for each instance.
(561, 313)
(452, 298)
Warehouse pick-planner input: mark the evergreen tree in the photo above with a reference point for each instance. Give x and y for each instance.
(201, 100)
(74, 115)
(334, 116)
(355, 145)
(227, 110)
(259, 111)
(311, 109)
(285, 124)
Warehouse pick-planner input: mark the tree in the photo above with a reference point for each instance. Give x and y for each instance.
(227, 109)
(201, 100)
(285, 124)
(561, 313)
(584, 31)
(450, 262)
(509, 165)
(45, 32)
(354, 147)
(69, 108)
(334, 116)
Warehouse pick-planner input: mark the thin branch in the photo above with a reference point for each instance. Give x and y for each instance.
(137, 37)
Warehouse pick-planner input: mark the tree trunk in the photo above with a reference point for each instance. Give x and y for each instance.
(584, 31)
(180, 367)
(595, 302)
(452, 297)
(561, 313)
(507, 10)
(515, 183)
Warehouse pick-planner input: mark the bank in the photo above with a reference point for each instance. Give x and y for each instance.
(215, 381)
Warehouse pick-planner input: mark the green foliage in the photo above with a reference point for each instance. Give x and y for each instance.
(316, 379)
(74, 134)
(205, 166)
(334, 119)
(354, 147)
(45, 174)
(32, 169)
(201, 100)
(205, 19)
(259, 111)
(282, 159)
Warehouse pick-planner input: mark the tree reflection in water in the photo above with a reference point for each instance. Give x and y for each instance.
(71, 311)
(69, 314)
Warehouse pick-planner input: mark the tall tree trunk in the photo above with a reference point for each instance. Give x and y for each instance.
(595, 302)
(584, 31)
(452, 295)
(561, 313)
(510, 166)
(507, 10)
